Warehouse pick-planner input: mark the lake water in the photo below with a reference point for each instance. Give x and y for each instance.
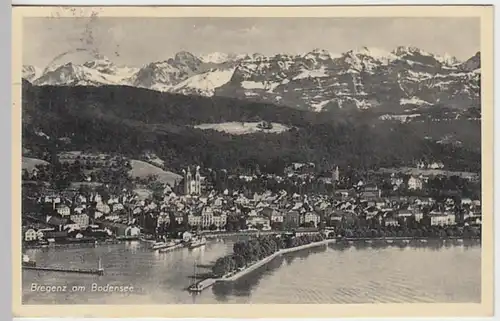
(441, 273)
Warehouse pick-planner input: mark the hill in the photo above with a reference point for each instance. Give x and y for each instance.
(30, 163)
(142, 169)
(132, 121)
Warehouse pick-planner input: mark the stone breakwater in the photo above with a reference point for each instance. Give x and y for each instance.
(266, 260)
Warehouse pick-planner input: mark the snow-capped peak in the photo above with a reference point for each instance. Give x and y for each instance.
(447, 59)
(31, 73)
(102, 64)
(184, 56)
(375, 53)
(409, 50)
(318, 53)
(215, 57)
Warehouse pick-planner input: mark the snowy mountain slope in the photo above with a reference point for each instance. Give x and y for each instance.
(362, 78)
(204, 84)
(31, 73)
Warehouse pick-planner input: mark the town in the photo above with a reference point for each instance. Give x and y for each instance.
(355, 204)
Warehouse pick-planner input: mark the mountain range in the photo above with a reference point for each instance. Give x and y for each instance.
(403, 81)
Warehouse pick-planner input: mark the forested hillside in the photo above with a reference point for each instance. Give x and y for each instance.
(130, 121)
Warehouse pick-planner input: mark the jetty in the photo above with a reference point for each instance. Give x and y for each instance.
(98, 271)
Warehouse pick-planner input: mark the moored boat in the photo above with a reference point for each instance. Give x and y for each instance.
(171, 246)
(197, 242)
(159, 245)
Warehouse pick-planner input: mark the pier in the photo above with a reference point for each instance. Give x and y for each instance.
(57, 269)
(98, 271)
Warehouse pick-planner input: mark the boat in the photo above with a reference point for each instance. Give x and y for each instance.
(197, 242)
(172, 245)
(159, 245)
(27, 261)
(127, 237)
(164, 245)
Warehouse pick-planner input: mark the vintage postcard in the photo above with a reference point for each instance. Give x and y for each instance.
(253, 161)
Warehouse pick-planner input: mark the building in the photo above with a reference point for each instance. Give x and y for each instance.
(254, 221)
(132, 231)
(436, 165)
(311, 217)
(396, 181)
(194, 220)
(207, 217)
(291, 219)
(63, 209)
(30, 235)
(104, 208)
(118, 207)
(336, 175)
(192, 185)
(415, 183)
(220, 220)
(441, 219)
(391, 221)
(81, 219)
(370, 192)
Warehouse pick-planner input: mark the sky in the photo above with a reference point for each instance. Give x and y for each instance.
(138, 41)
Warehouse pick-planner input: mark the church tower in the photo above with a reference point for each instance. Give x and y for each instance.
(197, 181)
(336, 174)
(187, 181)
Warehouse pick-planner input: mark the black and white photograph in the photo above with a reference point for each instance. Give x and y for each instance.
(252, 160)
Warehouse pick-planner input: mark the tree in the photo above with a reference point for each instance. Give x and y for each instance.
(229, 227)
(219, 268)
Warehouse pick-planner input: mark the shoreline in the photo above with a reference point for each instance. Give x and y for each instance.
(211, 237)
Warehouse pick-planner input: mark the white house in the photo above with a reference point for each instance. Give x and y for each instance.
(63, 209)
(104, 208)
(207, 216)
(81, 220)
(255, 220)
(277, 217)
(312, 217)
(415, 183)
(132, 231)
(30, 235)
(194, 220)
(118, 207)
(436, 165)
(220, 220)
(442, 219)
